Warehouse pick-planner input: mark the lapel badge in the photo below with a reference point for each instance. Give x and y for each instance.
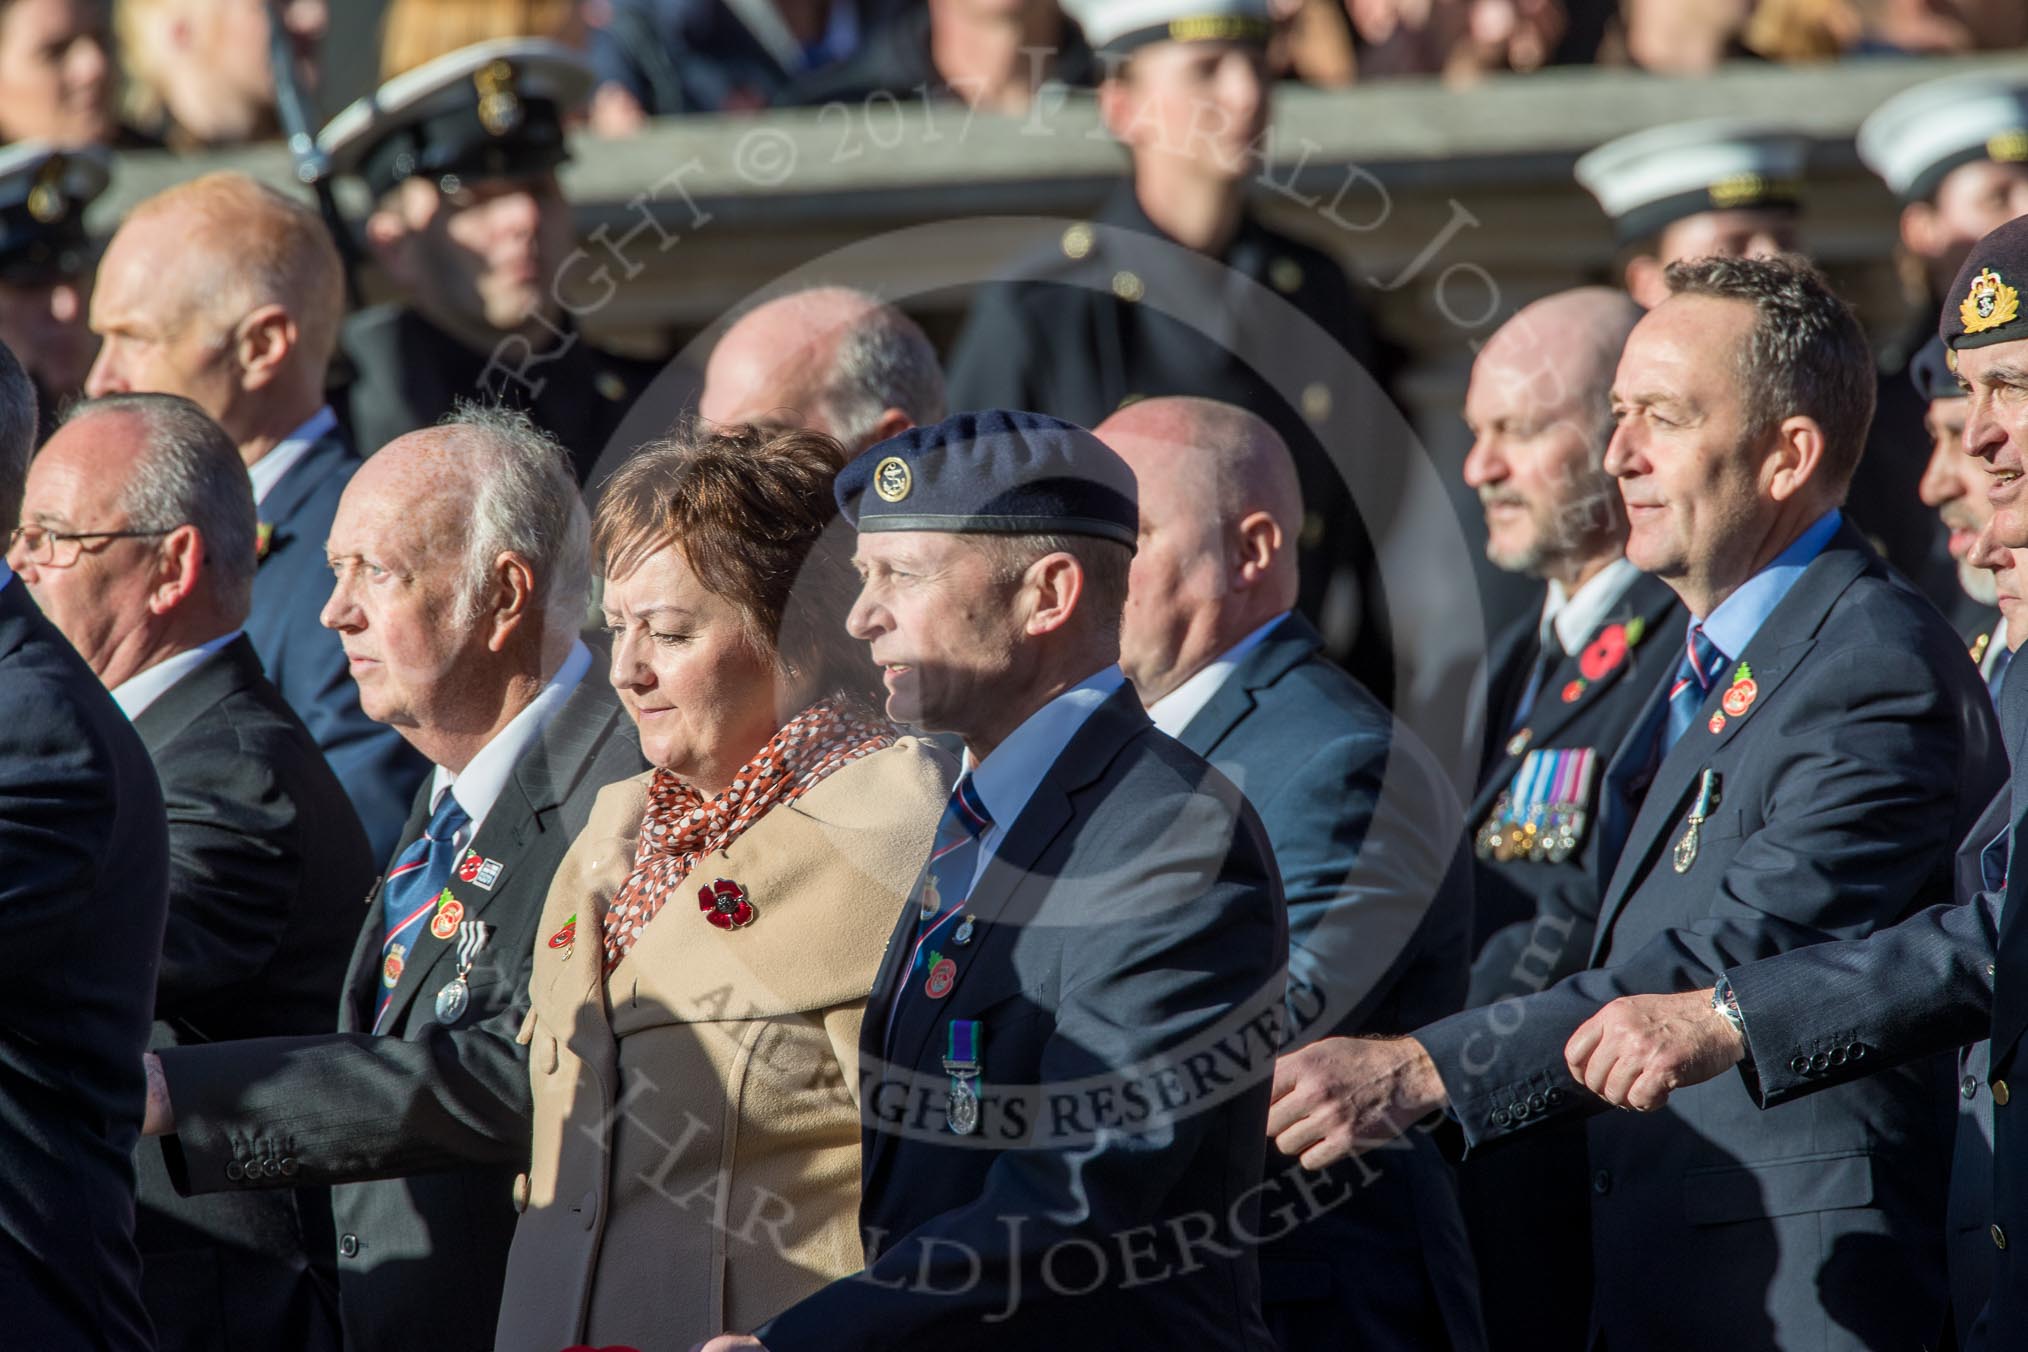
(264, 540)
(1739, 695)
(449, 912)
(725, 905)
(1574, 689)
(480, 871)
(1717, 723)
(1518, 743)
(1707, 799)
(566, 938)
(1979, 646)
(963, 934)
(943, 975)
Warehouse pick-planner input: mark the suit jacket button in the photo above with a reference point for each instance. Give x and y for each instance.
(1518, 1109)
(270, 1168)
(1499, 1120)
(1820, 1062)
(1858, 1050)
(289, 1166)
(348, 1246)
(2000, 1095)
(1970, 1087)
(1536, 1103)
(1799, 1065)
(1555, 1097)
(1602, 1182)
(520, 1192)
(1838, 1056)
(234, 1170)
(1999, 1238)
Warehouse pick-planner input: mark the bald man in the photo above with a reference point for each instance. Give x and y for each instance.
(1364, 828)
(229, 294)
(1565, 681)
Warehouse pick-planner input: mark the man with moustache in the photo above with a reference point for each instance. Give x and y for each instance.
(460, 557)
(1952, 486)
(1563, 687)
(1947, 975)
(460, 156)
(1808, 769)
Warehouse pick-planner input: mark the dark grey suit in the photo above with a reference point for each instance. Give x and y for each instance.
(1364, 827)
(1866, 756)
(1129, 920)
(420, 1259)
(267, 863)
(84, 863)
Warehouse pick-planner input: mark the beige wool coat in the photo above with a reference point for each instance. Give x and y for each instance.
(695, 1162)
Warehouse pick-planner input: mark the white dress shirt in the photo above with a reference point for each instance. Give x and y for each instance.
(1577, 615)
(142, 689)
(477, 787)
(1008, 777)
(1172, 713)
(267, 471)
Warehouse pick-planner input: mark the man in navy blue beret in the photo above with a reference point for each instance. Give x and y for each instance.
(1052, 1153)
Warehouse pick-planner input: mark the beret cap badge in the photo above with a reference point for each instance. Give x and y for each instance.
(499, 104)
(891, 479)
(1989, 303)
(45, 199)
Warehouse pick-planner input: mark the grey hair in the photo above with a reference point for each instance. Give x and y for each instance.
(190, 474)
(1105, 564)
(525, 502)
(884, 362)
(17, 435)
(1806, 356)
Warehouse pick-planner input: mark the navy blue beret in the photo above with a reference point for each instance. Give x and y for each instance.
(1933, 375)
(1984, 305)
(994, 472)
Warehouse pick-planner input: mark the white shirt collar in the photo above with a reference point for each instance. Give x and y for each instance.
(1172, 713)
(1008, 777)
(1577, 615)
(143, 688)
(478, 785)
(267, 471)
(1995, 645)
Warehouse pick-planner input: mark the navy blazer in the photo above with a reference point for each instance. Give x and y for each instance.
(84, 864)
(1126, 974)
(1364, 827)
(306, 662)
(421, 1259)
(1845, 787)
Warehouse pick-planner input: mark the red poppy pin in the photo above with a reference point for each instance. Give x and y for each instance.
(1573, 690)
(264, 540)
(1610, 647)
(725, 905)
(566, 936)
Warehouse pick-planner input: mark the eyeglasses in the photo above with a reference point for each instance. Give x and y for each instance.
(60, 549)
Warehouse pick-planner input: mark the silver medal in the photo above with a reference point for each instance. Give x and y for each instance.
(452, 1000)
(962, 1112)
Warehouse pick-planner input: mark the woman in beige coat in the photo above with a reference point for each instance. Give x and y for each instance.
(710, 939)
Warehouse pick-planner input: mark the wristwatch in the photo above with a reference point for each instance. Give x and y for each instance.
(1727, 1004)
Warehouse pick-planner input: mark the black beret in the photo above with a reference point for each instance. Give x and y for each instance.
(1984, 305)
(1933, 374)
(996, 472)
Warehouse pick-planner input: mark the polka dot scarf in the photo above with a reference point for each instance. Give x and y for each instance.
(681, 826)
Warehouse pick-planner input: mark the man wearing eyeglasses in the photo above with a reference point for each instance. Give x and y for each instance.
(138, 541)
(83, 893)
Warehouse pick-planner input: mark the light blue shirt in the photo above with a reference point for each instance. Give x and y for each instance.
(6, 575)
(1008, 777)
(1739, 616)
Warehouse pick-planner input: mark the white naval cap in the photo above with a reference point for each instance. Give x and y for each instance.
(1119, 26)
(1917, 137)
(1653, 177)
(492, 110)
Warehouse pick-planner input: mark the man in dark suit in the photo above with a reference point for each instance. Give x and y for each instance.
(267, 860)
(84, 865)
(1816, 1019)
(1810, 767)
(222, 259)
(1176, 286)
(461, 155)
(1101, 908)
(1364, 826)
(1953, 487)
(486, 677)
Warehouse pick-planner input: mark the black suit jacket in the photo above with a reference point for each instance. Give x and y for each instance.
(266, 867)
(1129, 919)
(84, 862)
(306, 662)
(420, 1259)
(1866, 756)
(1364, 827)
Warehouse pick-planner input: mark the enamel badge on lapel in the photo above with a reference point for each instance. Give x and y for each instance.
(943, 974)
(566, 938)
(450, 911)
(1707, 799)
(1739, 695)
(479, 872)
(725, 905)
(1518, 743)
(963, 934)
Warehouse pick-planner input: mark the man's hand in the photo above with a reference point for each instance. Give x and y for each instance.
(1342, 1095)
(1640, 1048)
(730, 1342)
(158, 1118)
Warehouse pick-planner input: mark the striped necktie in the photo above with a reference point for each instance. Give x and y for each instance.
(1699, 667)
(946, 883)
(409, 898)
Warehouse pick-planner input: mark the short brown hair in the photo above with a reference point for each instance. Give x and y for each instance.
(752, 511)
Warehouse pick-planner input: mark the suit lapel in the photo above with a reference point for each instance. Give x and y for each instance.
(1781, 644)
(1290, 642)
(226, 672)
(327, 455)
